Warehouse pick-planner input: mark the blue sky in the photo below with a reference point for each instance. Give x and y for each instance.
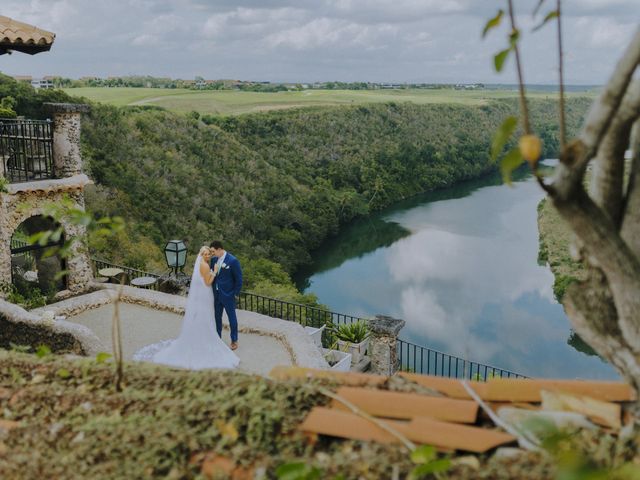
(316, 40)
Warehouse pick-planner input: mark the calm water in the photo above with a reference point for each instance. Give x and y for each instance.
(460, 267)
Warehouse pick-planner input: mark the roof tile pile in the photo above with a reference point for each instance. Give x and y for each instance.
(445, 415)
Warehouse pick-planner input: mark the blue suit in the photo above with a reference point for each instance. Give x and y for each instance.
(226, 286)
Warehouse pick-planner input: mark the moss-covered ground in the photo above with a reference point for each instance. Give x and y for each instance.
(62, 418)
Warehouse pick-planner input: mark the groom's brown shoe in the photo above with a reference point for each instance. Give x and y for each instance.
(234, 345)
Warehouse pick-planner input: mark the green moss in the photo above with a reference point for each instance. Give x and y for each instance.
(554, 242)
(78, 426)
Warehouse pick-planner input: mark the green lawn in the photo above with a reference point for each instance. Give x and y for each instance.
(232, 102)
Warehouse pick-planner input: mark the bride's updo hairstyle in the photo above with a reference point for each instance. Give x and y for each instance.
(204, 250)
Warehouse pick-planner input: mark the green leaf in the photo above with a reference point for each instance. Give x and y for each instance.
(498, 60)
(297, 471)
(514, 36)
(63, 373)
(423, 454)
(492, 23)
(35, 238)
(56, 235)
(550, 16)
(102, 357)
(43, 351)
(502, 135)
(436, 466)
(512, 160)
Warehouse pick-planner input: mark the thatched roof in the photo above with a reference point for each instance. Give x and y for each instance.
(23, 37)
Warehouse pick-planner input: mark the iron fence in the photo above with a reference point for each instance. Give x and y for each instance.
(21, 245)
(26, 149)
(303, 314)
(418, 359)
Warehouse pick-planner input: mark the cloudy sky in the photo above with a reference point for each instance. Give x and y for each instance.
(315, 40)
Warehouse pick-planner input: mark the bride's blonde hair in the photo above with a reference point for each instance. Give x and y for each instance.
(204, 249)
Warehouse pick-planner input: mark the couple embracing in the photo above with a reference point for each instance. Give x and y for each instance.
(215, 283)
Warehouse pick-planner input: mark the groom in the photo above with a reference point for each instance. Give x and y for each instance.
(226, 286)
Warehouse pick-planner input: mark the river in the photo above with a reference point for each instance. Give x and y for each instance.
(460, 267)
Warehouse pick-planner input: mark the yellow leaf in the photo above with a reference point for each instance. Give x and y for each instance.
(228, 430)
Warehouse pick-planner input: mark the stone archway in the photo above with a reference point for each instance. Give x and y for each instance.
(35, 268)
(22, 206)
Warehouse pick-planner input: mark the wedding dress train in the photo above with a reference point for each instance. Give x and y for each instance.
(198, 346)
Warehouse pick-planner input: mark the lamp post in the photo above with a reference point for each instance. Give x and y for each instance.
(175, 252)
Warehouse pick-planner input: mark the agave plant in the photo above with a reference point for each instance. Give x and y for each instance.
(355, 332)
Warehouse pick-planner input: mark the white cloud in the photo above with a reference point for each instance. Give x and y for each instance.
(604, 32)
(324, 32)
(307, 40)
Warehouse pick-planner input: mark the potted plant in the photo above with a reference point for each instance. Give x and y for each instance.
(337, 360)
(353, 338)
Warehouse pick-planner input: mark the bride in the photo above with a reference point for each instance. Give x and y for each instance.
(198, 346)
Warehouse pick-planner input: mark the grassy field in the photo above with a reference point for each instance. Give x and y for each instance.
(232, 102)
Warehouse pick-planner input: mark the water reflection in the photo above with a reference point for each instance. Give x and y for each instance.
(460, 266)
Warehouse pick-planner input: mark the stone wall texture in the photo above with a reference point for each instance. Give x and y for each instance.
(20, 327)
(30, 200)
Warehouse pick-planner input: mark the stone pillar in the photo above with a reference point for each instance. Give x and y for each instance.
(383, 348)
(78, 261)
(66, 137)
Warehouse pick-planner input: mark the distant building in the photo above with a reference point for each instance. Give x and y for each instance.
(44, 83)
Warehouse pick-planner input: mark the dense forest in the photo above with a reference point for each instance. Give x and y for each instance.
(273, 185)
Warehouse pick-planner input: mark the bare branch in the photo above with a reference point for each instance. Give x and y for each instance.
(575, 156)
(563, 134)
(523, 97)
(606, 105)
(608, 168)
(630, 231)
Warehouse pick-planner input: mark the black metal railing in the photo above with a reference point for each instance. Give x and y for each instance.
(21, 247)
(26, 149)
(129, 273)
(412, 357)
(303, 314)
(418, 359)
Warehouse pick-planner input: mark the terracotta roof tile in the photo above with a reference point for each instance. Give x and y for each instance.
(420, 430)
(408, 405)
(448, 386)
(344, 378)
(528, 390)
(15, 35)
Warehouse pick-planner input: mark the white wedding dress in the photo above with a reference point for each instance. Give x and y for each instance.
(198, 346)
